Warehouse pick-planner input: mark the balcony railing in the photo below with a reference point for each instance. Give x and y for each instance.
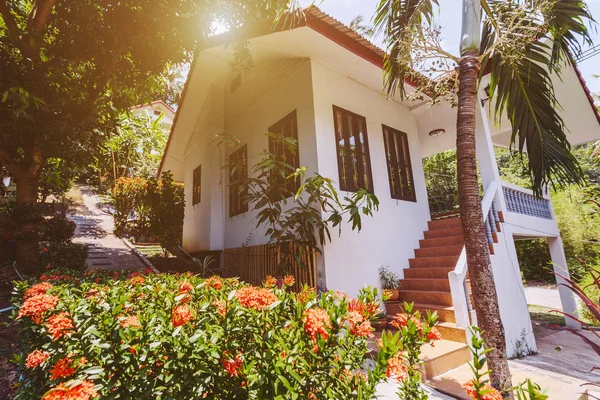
(522, 201)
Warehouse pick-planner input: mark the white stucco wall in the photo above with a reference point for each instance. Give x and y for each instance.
(390, 237)
(269, 92)
(203, 226)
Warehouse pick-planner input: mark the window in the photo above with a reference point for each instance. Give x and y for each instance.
(197, 185)
(238, 191)
(287, 127)
(354, 162)
(402, 186)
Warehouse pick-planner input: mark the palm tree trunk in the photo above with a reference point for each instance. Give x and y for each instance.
(485, 298)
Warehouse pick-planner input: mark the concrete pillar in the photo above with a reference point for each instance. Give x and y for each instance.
(567, 297)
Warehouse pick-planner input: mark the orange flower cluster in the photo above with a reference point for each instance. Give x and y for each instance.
(36, 305)
(289, 280)
(359, 326)
(306, 294)
(220, 306)
(65, 367)
(60, 325)
(401, 319)
(54, 277)
(490, 392)
(81, 390)
(232, 366)
(214, 282)
(367, 310)
(137, 280)
(181, 315)
(36, 358)
(396, 368)
(185, 287)
(254, 297)
(40, 288)
(131, 321)
(316, 322)
(270, 281)
(434, 335)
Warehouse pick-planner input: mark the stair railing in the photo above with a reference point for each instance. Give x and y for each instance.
(463, 309)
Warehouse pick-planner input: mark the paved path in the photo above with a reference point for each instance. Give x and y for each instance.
(95, 228)
(541, 296)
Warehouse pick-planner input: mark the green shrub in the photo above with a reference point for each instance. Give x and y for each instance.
(72, 256)
(56, 229)
(182, 337)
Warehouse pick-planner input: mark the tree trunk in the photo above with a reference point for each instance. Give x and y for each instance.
(27, 235)
(485, 297)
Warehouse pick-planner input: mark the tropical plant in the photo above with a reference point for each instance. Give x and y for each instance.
(117, 334)
(389, 280)
(510, 42)
(69, 70)
(167, 215)
(358, 25)
(479, 389)
(305, 216)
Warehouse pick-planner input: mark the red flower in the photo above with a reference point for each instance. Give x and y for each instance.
(181, 315)
(137, 280)
(257, 298)
(316, 322)
(40, 288)
(288, 280)
(35, 358)
(220, 306)
(434, 335)
(396, 368)
(45, 249)
(214, 282)
(36, 305)
(270, 281)
(131, 321)
(60, 325)
(75, 390)
(358, 325)
(232, 366)
(63, 368)
(487, 392)
(185, 287)
(401, 320)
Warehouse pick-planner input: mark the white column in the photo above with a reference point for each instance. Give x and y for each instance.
(567, 297)
(486, 158)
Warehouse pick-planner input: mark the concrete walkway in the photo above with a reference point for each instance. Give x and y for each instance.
(95, 228)
(543, 296)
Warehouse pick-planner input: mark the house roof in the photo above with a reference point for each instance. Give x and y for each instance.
(154, 103)
(313, 18)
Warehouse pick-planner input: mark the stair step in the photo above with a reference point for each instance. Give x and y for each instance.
(423, 296)
(442, 357)
(445, 313)
(446, 232)
(434, 272)
(445, 223)
(442, 242)
(427, 262)
(425, 284)
(439, 251)
(450, 331)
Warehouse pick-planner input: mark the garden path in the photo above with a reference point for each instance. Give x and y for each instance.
(95, 228)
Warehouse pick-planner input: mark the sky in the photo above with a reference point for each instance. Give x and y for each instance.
(449, 18)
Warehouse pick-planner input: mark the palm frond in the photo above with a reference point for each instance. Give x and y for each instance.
(399, 20)
(567, 22)
(522, 88)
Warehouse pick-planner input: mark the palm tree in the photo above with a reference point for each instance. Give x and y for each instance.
(511, 41)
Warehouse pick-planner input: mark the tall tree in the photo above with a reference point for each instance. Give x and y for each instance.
(67, 70)
(522, 42)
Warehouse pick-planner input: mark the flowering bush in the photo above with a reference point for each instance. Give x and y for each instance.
(134, 335)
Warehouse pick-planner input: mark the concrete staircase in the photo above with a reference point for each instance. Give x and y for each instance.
(426, 285)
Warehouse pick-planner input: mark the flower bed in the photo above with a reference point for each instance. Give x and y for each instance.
(120, 335)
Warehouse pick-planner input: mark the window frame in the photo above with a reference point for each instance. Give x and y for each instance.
(277, 128)
(401, 167)
(197, 185)
(237, 203)
(365, 150)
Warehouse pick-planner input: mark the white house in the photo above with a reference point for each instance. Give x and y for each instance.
(325, 81)
(156, 109)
